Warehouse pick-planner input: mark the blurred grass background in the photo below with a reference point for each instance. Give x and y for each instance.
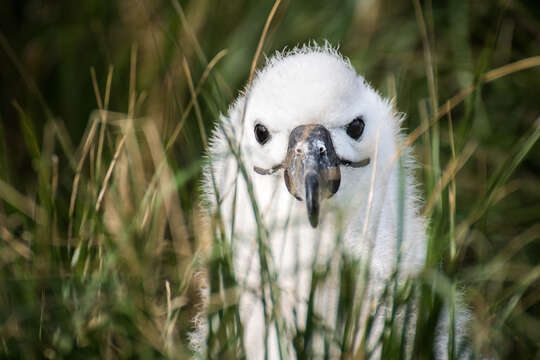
(104, 271)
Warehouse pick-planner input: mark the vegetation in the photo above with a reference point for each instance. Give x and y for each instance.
(104, 112)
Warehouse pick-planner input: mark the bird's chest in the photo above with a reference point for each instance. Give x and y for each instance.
(288, 245)
(287, 255)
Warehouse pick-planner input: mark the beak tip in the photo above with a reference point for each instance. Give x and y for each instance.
(314, 221)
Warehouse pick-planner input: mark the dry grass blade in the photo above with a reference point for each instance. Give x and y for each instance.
(449, 174)
(19, 247)
(54, 179)
(427, 55)
(84, 153)
(189, 30)
(131, 110)
(173, 210)
(491, 75)
(452, 192)
(508, 69)
(104, 113)
(96, 88)
(132, 84)
(22, 203)
(255, 60)
(202, 81)
(109, 172)
(371, 189)
(261, 40)
(200, 121)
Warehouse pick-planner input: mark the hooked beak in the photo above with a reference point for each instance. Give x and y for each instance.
(312, 167)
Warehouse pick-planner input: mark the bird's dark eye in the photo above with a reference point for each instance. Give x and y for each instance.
(261, 134)
(356, 128)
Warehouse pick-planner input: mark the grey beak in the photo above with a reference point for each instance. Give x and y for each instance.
(312, 168)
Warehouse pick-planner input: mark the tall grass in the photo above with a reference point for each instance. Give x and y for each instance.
(103, 240)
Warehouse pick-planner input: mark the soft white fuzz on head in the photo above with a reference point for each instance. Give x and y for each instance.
(300, 89)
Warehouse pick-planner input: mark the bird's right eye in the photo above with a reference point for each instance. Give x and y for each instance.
(261, 134)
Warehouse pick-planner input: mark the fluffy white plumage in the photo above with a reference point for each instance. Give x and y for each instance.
(305, 86)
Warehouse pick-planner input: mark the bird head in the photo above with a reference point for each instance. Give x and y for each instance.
(310, 120)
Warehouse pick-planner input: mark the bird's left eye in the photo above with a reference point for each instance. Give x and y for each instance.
(356, 128)
(261, 134)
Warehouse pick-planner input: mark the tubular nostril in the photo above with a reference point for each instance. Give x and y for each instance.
(322, 150)
(298, 150)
